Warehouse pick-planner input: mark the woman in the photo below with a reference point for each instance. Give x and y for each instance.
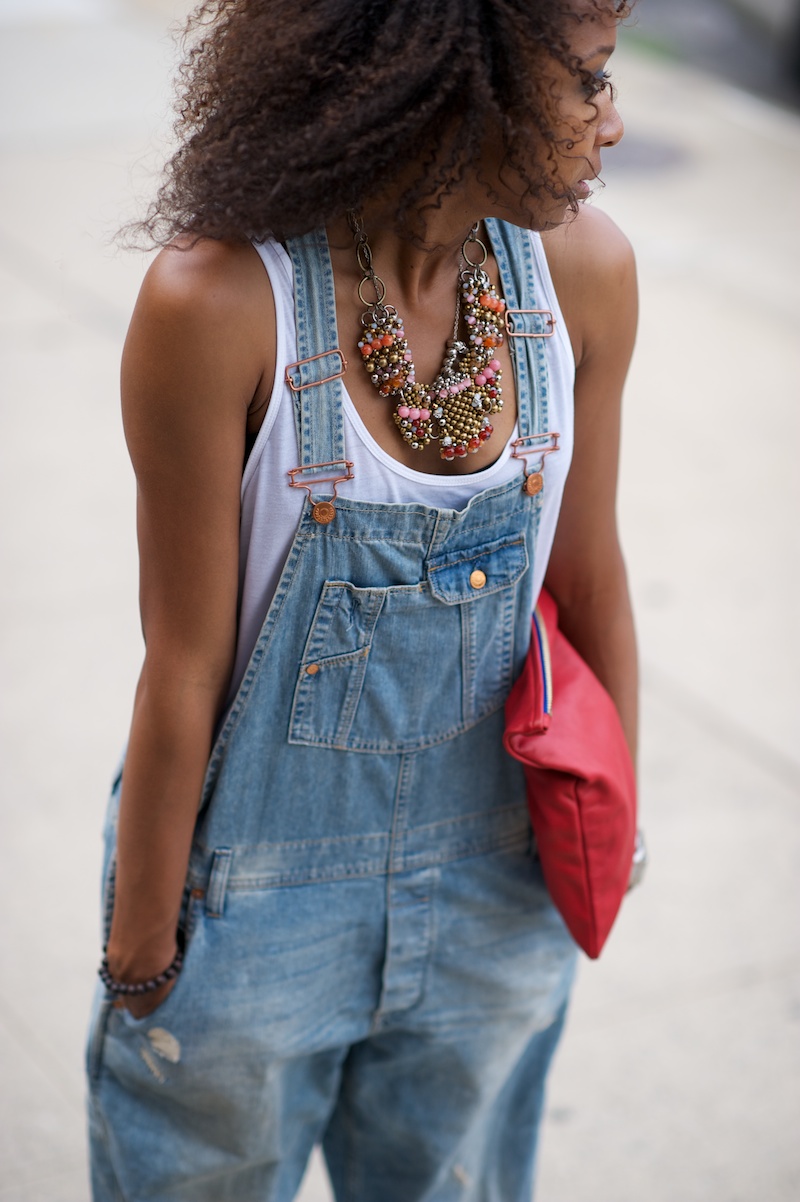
(317, 829)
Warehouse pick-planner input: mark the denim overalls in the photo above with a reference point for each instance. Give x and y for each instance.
(372, 959)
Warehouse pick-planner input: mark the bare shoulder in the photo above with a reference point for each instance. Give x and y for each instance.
(594, 274)
(207, 283)
(591, 234)
(206, 311)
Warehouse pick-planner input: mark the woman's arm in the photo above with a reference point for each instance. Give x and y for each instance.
(198, 361)
(595, 277)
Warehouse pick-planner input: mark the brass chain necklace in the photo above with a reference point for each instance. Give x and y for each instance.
(454, 410)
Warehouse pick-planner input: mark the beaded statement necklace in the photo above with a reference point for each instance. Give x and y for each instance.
(454, 410)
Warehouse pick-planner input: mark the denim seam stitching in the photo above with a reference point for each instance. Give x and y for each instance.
(385, 748)
(410, 861)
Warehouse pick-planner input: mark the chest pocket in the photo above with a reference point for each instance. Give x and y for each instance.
(407, 666)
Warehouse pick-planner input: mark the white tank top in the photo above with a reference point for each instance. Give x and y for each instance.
(271, 509)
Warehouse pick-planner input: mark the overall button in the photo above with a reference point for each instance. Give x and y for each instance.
(323, 512)
(477, 578)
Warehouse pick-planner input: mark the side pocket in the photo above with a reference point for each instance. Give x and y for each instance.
(98, 1023)
(191, 912)
(191, 915)
(108, 898)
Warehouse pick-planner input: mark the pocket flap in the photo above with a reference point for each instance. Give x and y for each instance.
(468, 575)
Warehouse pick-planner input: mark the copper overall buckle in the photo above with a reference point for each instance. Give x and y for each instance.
(323, 511)
(545, 314)
(294, 380)
(540, 445)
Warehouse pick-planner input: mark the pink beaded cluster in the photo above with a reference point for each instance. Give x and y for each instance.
(454, 410)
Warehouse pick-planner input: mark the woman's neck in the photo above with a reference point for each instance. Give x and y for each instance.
(415, 268)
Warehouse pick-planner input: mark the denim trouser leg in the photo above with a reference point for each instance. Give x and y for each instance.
(444, 1099)
(406, 1126)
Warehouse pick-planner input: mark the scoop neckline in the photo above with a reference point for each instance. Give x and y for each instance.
(437, 479)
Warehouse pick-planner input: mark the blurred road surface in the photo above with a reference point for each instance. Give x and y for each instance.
(753, 44)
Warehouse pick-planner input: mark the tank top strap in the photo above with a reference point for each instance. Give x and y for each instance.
(528, 325)
(315, 379)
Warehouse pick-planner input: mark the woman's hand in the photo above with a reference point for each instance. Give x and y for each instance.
(140, 1005)
(142, 967)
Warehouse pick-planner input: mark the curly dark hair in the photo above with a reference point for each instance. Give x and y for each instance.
(291, 112)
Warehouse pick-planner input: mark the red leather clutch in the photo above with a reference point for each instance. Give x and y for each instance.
(564, 728)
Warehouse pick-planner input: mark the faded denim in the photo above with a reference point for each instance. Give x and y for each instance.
(373, 962)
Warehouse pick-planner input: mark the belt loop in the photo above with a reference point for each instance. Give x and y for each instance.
(218, 882)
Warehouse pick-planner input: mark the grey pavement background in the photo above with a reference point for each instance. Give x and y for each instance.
(754, 44)
(679, 1076)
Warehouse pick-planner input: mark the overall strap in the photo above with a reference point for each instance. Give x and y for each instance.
(527, 326)
(315, 380)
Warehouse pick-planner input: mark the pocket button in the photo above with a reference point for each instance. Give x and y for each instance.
(477, 578)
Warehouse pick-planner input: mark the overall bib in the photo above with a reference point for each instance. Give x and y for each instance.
(372, 960)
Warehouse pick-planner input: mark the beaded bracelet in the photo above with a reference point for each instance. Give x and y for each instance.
(122, 988)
